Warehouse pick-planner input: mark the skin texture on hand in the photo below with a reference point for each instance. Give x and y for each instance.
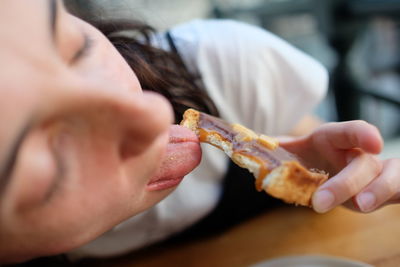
(348, 151)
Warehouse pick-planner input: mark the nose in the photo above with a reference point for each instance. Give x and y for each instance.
(132, 120)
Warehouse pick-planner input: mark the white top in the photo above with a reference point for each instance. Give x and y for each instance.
(255, 79)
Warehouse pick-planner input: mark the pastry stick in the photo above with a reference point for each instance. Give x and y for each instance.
(277, 171)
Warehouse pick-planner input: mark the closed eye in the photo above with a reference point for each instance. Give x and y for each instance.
(84, 50)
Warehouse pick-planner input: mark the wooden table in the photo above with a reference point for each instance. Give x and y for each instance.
(372, 238)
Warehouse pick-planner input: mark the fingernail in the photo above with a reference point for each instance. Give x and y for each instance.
(323, 201)
(366, 201)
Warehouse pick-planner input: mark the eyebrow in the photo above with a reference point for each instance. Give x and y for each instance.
(7, 167)
(53, 17)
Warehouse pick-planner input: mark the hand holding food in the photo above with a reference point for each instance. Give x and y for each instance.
(347, 150)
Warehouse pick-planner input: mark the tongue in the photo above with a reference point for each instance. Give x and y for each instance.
(182, 155)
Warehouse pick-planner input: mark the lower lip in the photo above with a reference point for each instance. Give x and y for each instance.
(163, 184)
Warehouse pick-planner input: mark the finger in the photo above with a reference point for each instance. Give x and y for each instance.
(347, 183)
(385, 187)
(352, 134)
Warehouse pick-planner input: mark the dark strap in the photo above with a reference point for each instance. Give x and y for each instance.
(171, 43)
(175, 50)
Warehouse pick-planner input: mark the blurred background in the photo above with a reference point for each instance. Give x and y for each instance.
(358, 41)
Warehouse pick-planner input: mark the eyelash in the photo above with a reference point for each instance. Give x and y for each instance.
(84, 50)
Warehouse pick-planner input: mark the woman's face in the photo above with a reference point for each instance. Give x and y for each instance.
(81, 146)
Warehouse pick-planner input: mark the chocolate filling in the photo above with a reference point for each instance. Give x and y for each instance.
(270, 158)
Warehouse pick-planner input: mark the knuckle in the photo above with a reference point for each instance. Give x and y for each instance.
(373, 164)
(361, 123)
(327, 126)
(356, 123)
(349, 187)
